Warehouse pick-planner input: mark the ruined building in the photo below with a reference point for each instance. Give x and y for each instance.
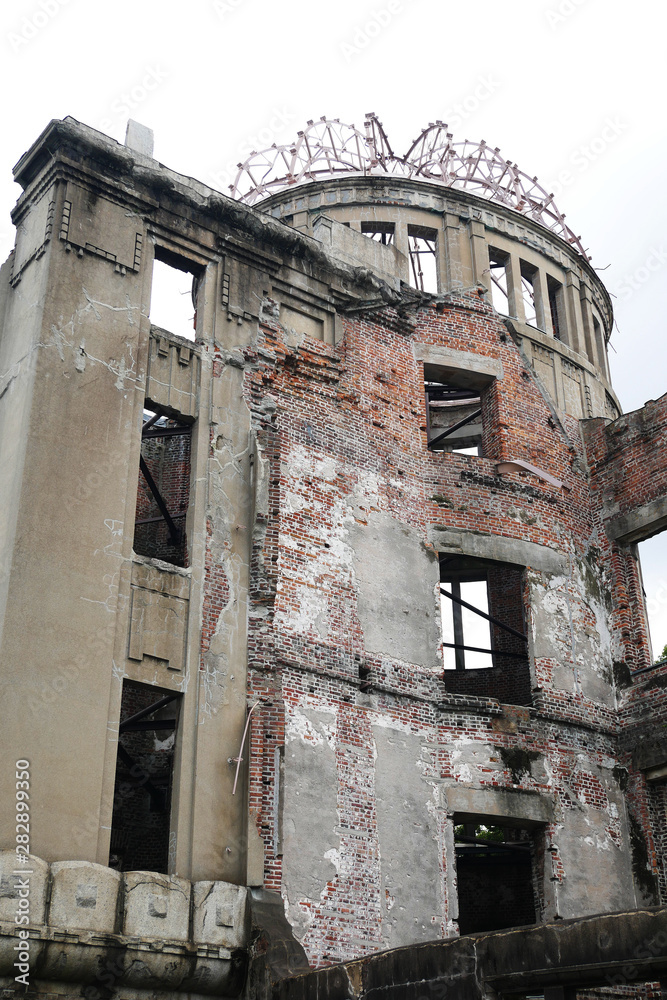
(322, 625)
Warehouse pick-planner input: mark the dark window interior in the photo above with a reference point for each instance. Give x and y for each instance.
(495, 873)
(144, 770)
(485, 651)
(164, 488)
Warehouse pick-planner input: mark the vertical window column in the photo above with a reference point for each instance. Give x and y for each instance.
(451, 267)
(586, 305)
(480, 253)
(601, 348)
(574, 333)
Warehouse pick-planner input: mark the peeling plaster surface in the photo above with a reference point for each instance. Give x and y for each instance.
(397, 580)
(571, 630)
(310, 814)
(410, 836)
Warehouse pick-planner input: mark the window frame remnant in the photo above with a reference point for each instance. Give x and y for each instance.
(164, 256)
(500, 281)
(505, 674)
(460, 648)
(489, 851)
(529, 293)
(458, 394)
(152, 428)
(423, 242)
(134, 775)
(557, 309)
(381, 232)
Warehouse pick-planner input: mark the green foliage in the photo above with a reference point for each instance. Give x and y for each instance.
(663, 656)
(493, 834)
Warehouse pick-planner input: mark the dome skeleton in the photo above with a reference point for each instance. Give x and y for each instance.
(328, 148)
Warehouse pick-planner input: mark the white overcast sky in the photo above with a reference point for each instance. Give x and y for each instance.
(574, 86)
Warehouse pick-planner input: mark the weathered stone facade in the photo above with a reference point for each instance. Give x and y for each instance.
(251, 690)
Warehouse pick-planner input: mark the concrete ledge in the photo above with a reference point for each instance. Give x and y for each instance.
(639, 524)
(498, 548)
(523, 808)
(478, 369)
(607, 950)
(356, 249)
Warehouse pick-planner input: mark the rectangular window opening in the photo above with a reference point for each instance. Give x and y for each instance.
(163, 492)
(498, 265)
(382, 232)
(528, 276)
(557, 308)
(144, 775)
(174, 289)
(423, 251)
(600, 345)
(453, 413)
(650, 565)
(495, 869)
(484, 643)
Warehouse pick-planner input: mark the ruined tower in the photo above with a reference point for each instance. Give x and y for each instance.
(325, 617)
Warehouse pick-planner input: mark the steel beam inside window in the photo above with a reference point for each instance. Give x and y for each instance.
(494, 621)
(174, 532)
(156, 706)
(455, 427)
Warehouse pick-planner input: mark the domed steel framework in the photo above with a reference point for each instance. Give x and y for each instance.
(329, 148)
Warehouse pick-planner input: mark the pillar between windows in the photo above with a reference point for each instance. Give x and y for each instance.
(403, 245)
(573, 312)
(585, 304)
(514, 289)
(451, 266)
(480, 254)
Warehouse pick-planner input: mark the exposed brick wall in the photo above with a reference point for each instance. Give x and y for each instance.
(627, 456)
(354, 414)
(657, 796)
